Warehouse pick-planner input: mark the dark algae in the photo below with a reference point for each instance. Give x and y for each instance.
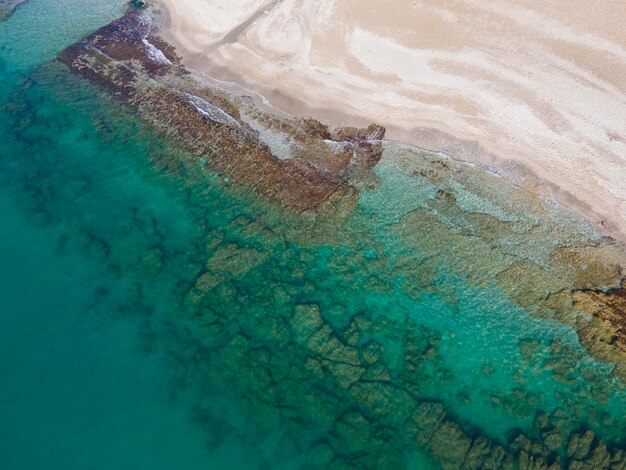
(321, 298)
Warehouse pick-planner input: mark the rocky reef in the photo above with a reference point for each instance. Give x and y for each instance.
(552, 264)
(309, 164)
(7, 7)
(353, 381)
(609, 309)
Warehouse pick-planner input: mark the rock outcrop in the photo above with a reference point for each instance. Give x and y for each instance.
(226, 133)
(609, 309)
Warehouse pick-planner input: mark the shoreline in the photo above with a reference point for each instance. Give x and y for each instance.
(451, 148)
(587, 197)
(522, 180)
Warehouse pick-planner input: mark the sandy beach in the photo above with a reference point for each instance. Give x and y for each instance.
(534, 91)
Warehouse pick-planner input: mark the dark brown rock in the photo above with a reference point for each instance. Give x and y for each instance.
(315, 128)
(137, 66)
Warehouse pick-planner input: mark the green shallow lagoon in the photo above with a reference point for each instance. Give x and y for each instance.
(153, 315)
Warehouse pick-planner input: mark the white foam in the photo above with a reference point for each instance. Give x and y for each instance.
(211, 111)
(155, 54)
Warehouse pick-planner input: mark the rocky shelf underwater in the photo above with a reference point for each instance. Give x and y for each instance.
(334, 300)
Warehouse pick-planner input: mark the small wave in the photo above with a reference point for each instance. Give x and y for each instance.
(155, 54)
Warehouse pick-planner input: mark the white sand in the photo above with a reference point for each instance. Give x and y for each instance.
(534, 89)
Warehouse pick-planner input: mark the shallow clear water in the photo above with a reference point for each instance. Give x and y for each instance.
(153, 316)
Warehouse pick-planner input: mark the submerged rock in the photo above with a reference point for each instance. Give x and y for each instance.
(608, 306)
(579, 445)
(445, 196)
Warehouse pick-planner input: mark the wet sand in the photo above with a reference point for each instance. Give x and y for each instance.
(535, 92)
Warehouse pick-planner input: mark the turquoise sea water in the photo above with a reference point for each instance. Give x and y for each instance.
(79, 389)
(156, 317)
